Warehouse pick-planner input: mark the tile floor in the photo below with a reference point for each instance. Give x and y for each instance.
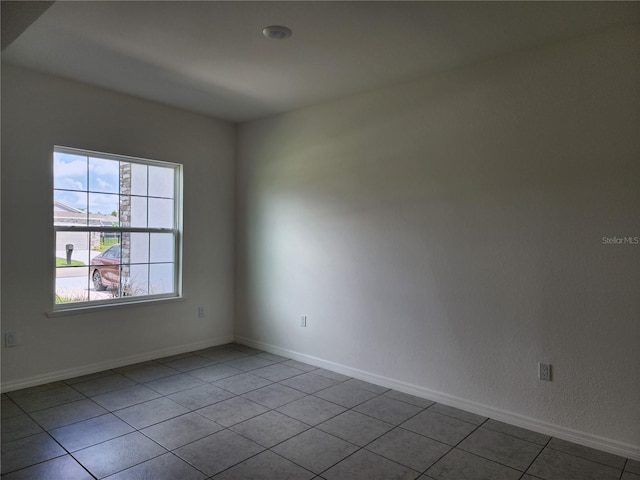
(233, 412)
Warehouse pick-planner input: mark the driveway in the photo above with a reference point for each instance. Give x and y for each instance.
(74, 281)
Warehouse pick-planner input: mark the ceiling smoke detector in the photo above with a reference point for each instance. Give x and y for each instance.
(276, 32)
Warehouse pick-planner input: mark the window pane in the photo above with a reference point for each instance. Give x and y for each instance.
(72, 245)
(160, 213)
(135, 248)
(103, 209)
(101, 241)
(161, 182)
(69, 208)
(104, 282)
(100, 192)
(105, 264)
(138, 179)
(135, 280)
(104, 175)
(69, 171)
(72, 285)
(72, 281)
(162, 248)
(161, 278)
(138, 217)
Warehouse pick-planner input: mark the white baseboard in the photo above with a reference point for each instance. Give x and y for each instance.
(601, 443)
(106, 365)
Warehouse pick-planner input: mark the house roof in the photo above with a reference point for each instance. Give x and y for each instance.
(63, 213)
(63, 207)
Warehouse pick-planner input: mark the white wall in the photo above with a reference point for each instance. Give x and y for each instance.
(39, 112)
(446, 235)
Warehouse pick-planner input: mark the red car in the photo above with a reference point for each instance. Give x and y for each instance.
(105, 268)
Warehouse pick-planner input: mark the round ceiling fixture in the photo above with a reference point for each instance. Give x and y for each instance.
(276, 32)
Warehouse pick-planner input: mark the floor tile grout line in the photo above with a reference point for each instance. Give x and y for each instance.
(53, 406)
(235, 464)
(41, 461)
(124, 469)
(139, 430)
(457, 418)
(309, 427)
(106, 372)
(623, 469)
(136, 430)
(364, 447)
(67, 452)
(188, 463)
(403, 401)
(83, 467)
(426, 408)
(399, 426)
(161, 446)
(143, 382)
(301, 398)
(109, 391)
(48, 430)
(522, 472)
(48, 460)
(542, 447)
(19, 408)
(297, 464)
(515, 436)
(62, 405)
(538, 455)
(452, 447)
(583, 458)
(396, 427)
(36, 389)
(422, 409)
(351, 408)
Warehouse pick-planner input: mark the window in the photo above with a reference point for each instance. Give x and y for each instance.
(117, 223)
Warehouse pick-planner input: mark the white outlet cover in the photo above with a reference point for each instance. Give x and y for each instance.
(544, 371)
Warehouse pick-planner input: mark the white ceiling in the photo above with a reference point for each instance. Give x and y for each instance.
(211, 58)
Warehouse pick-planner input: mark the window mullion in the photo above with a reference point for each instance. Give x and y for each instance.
(98, 179)
(69, 228)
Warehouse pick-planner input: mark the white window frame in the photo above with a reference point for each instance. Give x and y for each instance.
(176, 231)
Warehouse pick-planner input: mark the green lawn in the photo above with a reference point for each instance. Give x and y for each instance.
(106, 243)
(62, 262)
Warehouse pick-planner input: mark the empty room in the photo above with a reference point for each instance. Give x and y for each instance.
(320, 240)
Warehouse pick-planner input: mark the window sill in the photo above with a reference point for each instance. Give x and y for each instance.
(112, 306)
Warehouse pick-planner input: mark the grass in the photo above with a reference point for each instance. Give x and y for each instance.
(70, 297)
(62, 262)
(106, 243)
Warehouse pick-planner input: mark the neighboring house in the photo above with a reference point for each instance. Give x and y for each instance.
(64, 214)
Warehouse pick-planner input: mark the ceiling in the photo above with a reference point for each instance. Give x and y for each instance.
(211, 57)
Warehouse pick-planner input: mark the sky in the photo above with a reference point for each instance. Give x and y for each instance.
(75, 172)
(92, 184)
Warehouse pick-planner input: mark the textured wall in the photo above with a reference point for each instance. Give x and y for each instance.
(39, 112)
(448, 234)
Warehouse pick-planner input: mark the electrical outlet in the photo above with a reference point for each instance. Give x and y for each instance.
(10, 339)
(200, 312)
(303, 320)
(544, 371)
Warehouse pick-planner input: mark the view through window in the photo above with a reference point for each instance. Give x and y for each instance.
(116, 222)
